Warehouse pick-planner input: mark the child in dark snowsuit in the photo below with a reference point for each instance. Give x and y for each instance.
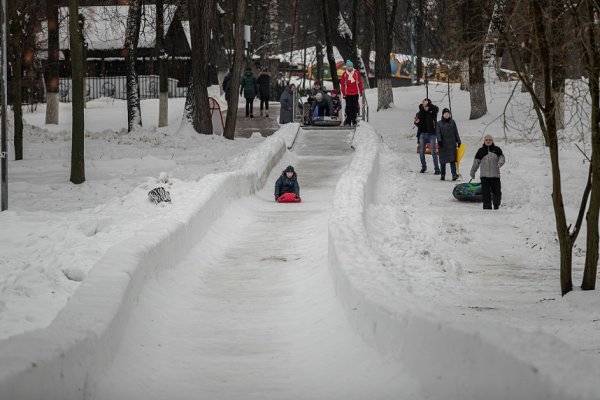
(490, 159)
(287, 183)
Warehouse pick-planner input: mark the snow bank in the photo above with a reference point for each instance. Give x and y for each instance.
(452, 360)
(63, 360)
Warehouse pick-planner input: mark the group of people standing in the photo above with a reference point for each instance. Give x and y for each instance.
(324, 103)
(444, 140)
(252, 87)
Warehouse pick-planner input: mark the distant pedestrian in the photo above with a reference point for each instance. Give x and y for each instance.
(352, 87)
(264, 90)
(227, 84)
(249, 89)
(286, 111)
(426, 123)
(448, 141)
(490, 159)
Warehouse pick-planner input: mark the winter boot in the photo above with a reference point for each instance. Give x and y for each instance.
(455, 177)
(437, 172)
(423, 169)
(443, 178)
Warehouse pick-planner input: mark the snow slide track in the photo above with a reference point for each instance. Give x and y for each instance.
(251, 312)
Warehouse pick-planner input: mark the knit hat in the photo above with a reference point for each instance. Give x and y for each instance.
(333, 92)
(349, 64)
(445, 110)
(289, 169)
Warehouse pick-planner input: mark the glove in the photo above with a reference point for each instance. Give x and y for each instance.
(418, 148)
(458, 144)
(473, 176)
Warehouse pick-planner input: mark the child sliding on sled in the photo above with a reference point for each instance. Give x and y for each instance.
(287, 183)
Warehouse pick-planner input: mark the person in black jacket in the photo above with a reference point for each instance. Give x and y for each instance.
(227, 84)
(264, 90)
(426, 121)
(287, 183)
(448, 141)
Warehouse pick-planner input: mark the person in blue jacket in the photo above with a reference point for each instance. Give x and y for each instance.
(287, 183)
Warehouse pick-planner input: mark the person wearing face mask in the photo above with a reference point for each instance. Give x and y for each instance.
(448, 141)
(489, 159)
(287, 183)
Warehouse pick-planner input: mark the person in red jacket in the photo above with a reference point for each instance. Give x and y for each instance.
(352, 87)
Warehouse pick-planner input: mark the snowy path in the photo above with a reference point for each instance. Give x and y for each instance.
(251, 313)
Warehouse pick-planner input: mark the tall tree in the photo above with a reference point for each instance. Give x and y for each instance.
(545, 109)
(589, 34)
(238, 60)
(77, 73)
(366, 38)
(201, 17)
(163, 102)
(52, 68)
(132, 35)
(475, 25)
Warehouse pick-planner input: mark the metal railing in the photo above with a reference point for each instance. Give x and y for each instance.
(116, 87)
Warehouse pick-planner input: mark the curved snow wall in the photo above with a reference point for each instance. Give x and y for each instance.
(62, 361)
(453, 361)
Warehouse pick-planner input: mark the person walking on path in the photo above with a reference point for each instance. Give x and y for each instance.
(490, 159)
(264, 90)
(426, 122)
(249, 89)
(352, 87)
(448, 141)
(286, 111)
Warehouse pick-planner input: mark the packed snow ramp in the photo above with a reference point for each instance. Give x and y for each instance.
(251, 313)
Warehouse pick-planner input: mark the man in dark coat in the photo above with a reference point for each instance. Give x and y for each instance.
(264, 90)
(287, 183)
(427, 117)
(227, 84)
(249, 89)
(448, 141)
(286, 111)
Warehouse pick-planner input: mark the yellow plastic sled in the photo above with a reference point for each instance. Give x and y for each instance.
(459, 155)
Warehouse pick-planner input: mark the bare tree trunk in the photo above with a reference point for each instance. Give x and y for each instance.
(132, 34)
(52, 75)
(17, 39)
(366, 39)
(385, 96)
(78, 124)
(564, 237)
(490, 50)
(558, 61)
(464, 75)
(319, 48)
(201, 16)
(477, 85)
(238, 60)
(419, 31)
(341, 35)
(328, 44)
(163, 102)
(274, 21)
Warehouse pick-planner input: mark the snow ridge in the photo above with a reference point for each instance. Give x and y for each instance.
(63, 360)
(451, 360)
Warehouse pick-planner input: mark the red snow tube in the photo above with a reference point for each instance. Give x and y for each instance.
(288, 198)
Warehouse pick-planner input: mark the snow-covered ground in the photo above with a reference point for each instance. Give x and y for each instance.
(474, 267)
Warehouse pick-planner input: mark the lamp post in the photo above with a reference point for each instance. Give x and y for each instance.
(3, 99)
